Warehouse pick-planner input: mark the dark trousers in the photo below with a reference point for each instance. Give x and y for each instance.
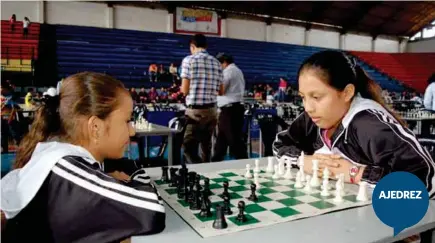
(14, 130)
(230, 133)
(25, 32)
(198, 133)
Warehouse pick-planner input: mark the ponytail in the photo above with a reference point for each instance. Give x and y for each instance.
(45, 125)
(369, 89)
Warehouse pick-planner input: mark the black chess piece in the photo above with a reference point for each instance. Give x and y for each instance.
(173, 173)
(227, 208)
(220, 221)
(186, 192)
(207, 186)
(195, 199)
(180, 187)
(241, 217)
(192, 176)
(225, 193)
(205, 206)
(253, 197)
(165, 177)
(198, 181)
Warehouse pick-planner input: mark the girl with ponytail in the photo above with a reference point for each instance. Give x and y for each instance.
(347, 127)
(58, 187)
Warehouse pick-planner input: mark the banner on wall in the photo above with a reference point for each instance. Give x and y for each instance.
(196, 21)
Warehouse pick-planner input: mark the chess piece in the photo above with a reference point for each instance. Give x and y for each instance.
(205, 206)
(253, 197)
(325, 190)
(195, 199)
(248, 171)
(180, 187)
(270, 163)
(288, 175)
(207, 186)
(225, 184)
(173, 179)
(227, 208)
(301, 169)
(307, 187)
(362, 192)
(165, 176)
(220, 221)
(241, 217)
(276, 174)
(298, 184)
(257, 166)
(198, 181)
(281, 167)
(256, 181)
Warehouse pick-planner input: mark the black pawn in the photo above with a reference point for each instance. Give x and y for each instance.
(225, 193)
(165, 177)
(253, 197)
(198, 181)
(195, 199)
(205, 206)
(227, 208)
(241, 217)
(180, 187)
(220, 221)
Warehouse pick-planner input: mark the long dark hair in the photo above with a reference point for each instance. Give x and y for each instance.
(338, 70)
(81, 96)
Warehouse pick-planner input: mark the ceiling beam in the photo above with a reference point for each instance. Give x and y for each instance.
(365, 7)
(379, 29)
(317, 13)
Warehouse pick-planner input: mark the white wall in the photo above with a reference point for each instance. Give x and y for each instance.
(134, 18)
(246, 29)
(422, 46)
(20, 9)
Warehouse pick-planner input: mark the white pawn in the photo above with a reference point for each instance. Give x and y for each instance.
(301, 159)
(314, 182)
(281, 167)
(257, 166)
(288, 175)
(326, 173)
(301, 169)
(248, 171)
(270, 163)
(276, 174)
(362, 192)
(307, 187)
(325, 191)
(298, 183)
(257, 183)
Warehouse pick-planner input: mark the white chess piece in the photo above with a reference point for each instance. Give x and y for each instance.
(288, 175)
(301, 169)
(257, 166)
(248, 171)
(276, 174)
(298, 184)
(314, 182)
(362, 192)
(257, 183)
(326, 173)
(301, 159)
(281, 167)
(325, 190)
(307, 187)
(270, 163)
(338, 192)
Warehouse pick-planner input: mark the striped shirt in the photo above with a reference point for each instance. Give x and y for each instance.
(205, 75)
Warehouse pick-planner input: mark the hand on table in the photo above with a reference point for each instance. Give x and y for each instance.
(120, 176)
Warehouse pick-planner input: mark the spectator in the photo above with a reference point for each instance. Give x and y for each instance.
(429, 94)
(282, 89)
(12, 21)
(152, 71)
(11, 120)
(201, 83)
(143, 95)
(26, 24)
(133, 94)
(152, 95)
(173, 72)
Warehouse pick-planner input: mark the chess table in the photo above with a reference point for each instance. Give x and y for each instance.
(157, 130)
(356, 225)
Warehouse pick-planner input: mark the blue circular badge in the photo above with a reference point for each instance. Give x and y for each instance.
(400, 200)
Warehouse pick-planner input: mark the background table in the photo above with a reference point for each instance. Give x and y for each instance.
(357, 225)
(157, 130)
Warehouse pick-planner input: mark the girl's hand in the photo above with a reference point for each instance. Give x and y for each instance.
(120, 176)
(335, 164)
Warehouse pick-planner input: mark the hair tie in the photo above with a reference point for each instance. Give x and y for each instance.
(352, 63)
(51, 103)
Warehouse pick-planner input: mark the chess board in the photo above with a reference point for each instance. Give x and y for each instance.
(278, 202)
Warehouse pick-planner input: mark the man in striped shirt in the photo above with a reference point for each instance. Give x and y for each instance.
(202, 77)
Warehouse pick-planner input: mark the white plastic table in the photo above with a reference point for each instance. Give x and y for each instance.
(357, 225)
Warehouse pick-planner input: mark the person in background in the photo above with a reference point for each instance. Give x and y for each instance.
(174, 72)
(282, 89)
(152, 94)
(134, 94)
(202, 77)
(416, 98)
(429, 94)
(231, 116)
(143, 95)
(26, 24)
(152, 72)
(12, 122)
(12, 22)
(58, 185)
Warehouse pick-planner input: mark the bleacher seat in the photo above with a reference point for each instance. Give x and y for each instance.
(413, 69)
